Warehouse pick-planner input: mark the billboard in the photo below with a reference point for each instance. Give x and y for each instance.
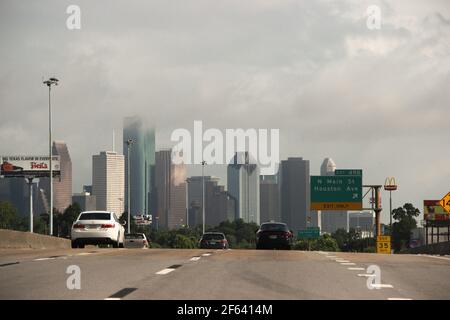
(433, 211)
(26, 166)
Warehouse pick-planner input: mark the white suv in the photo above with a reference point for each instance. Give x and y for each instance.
(97, 227)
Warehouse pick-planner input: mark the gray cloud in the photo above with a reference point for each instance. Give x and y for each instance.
(375, 100)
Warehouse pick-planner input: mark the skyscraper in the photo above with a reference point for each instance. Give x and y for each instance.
(170, 191)
(108, 181)
(269, 198)
(332, 220)
(142, 163)
(243, 186)
(295, 193)
(62, 186)
(219, 205)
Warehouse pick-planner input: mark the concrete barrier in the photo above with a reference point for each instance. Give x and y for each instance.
(435, 248)
(26, 240)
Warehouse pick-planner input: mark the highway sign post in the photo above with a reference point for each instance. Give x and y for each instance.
(445, 202)
(384, 244)
(341, 192)
(309, 233)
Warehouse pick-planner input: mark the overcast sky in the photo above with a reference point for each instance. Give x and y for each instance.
(372, 99)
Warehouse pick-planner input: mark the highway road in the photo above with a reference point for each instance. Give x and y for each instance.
(219, 274)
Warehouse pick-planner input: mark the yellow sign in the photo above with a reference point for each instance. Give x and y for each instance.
(445, 202)
(384, 244)
(336, 206)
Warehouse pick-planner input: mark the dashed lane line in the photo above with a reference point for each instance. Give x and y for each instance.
(356, 269)
(348, 263)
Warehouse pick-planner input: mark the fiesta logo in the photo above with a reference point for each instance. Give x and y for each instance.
(41, 165)
(389, 184)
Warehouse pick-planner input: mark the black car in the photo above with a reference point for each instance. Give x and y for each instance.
(213, 240)
(274, 235)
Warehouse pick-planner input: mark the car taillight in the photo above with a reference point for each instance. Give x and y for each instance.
(78, 226)
(108, 225)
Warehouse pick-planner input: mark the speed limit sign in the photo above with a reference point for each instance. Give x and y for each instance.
(384, 244)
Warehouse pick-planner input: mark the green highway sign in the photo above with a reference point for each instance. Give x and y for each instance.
(348, 172)
(309, 233)
(336, 192)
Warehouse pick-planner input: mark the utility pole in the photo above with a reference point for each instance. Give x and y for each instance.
(390, 185)
(49, 83)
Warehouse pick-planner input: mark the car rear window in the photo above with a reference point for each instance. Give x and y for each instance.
(274, 227)
(95, 216)
(134, 236)
(213, 236)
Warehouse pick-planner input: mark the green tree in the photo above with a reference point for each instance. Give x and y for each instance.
(325, 243)
(405, 222)
(8, 215)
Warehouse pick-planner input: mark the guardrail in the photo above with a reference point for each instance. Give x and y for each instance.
(435, 248)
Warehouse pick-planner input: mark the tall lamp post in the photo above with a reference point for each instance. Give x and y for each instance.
(390, 185)
(49, 83)
(203, 193)
(129, 142)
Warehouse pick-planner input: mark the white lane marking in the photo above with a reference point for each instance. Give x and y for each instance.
(42, 259)
(356, 269)
(165, 271)
(195, 258)
(82, 253)
(331, 257)
(205, 254)
(379, 286)
(110, 298)
(435, 257)
(366, 275)
(342, 263)
(399, 299)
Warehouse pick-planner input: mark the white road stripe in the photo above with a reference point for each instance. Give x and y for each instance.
(348, 263)
(42, 259)
(82, 253)
(342, 261)
(165, 271)
(110, 298)
(206, 254)
(195, 258)
(379, 286)
(331, 257)
(399, 299)
(366, 275)
(356, 269)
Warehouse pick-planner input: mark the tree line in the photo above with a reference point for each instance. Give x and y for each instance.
(240, 235)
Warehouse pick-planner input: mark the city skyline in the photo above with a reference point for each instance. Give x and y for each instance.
(337, 92)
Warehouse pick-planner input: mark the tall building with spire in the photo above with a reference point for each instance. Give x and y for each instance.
(142, 164)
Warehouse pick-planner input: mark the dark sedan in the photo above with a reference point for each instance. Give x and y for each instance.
(213, 240)
(274, 235)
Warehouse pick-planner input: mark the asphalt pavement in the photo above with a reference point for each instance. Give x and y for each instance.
(219, 274)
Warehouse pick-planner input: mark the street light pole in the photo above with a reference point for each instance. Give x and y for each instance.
(129, 142)
(49, 83)
(203, 194)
